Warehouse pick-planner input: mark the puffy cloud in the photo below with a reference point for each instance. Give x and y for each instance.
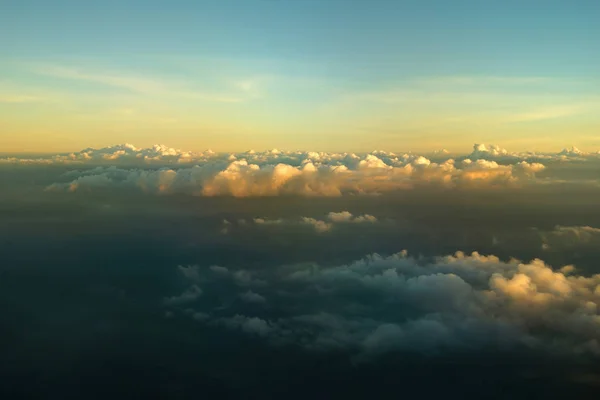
(530, 168)
(252, 325)
(482, 170)
(247, 279)
(193, 275)
(122, 153)
(332, 219)
(187, 296)
(219, 270)
(572, 152)
(379, 304)
(251, 297)
(320, 226)
(128, 154)
(242, 179)
(190, 272)
(494, 152)
(483, 151)
(346, 216)
(164, 170)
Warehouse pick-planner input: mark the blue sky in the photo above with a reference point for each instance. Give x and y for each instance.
(343, 75)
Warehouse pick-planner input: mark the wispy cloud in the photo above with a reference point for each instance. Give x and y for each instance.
(476, 89)
(15, 98)
(135, 84)
(412, 95)
(211, 97)
(524, 114)
(125, 111)
(549, 113)
(483, 80)
(246, 85)
(256, 86)
(464, 101)
(240, 91)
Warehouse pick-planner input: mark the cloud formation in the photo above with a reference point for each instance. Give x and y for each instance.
(275, 173)
(159, 154)
(189, 295)
(164, 170)
(118, 154)
(251, 297)
(495, 152)
(570, 236)
(380, 304)
(346, 216)
(324, 225)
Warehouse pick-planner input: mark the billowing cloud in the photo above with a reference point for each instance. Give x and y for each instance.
(164, 170)
(495, 152)
(163, 155)
(379, 304)
(159, 154)
(119, 154)
(276, 173)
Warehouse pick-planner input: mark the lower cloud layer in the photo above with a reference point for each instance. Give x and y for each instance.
(381, 304)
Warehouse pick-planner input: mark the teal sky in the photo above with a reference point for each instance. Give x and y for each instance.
(299, 74)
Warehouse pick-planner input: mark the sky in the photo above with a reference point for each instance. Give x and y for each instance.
(347, 255)
(328, 75)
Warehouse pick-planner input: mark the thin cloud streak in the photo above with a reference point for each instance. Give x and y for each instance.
(139, 85)
(549, 113)
(147, 86)
(530, 115)
(19, 99)
(484, 80)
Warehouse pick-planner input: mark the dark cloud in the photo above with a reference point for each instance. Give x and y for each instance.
(399, 302)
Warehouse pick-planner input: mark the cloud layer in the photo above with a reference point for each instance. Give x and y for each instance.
(380, 304)
(276, 173)
(494, 152)
(128, 154)
(164, 170)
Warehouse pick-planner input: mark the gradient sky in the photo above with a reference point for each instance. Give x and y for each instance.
(331, 75)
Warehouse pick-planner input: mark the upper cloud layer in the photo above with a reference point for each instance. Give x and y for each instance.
(122, 153)
(278, 173)
(494, 152)
(165, 170)
(128, 154)
(241, 179)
